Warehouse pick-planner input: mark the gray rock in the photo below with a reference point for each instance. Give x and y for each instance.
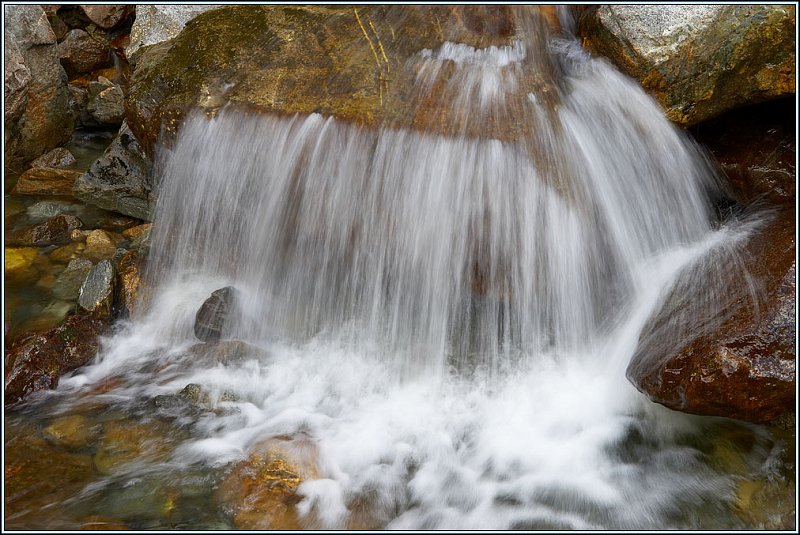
(214, 314)
(97, 292)
(17, 78)
(37, 116)
(68, 284)
(108, 106)
(81, 53)
(119, 180)
(699, 61)
(157, 23)
(58, 157)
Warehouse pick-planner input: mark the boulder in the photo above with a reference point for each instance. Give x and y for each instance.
(37, 116)
(755, 148)
(36, 362)
(68, 284)
(80, 52)
(333, 60)
(157, 23)
(107, 107)
(106, 16)
(698, 61)
(59, 157)
(120, 180)
(260, 492)
(56, 230)
(724, 342)
(97, 291)
(46, 181)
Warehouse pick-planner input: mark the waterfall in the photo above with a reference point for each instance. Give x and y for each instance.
(448, 316)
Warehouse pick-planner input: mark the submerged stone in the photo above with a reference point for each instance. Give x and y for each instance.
(73, 431)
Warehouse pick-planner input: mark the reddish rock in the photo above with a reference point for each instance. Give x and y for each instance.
(129, 280)
(740, 364)
(80, 52)
(36, 362)
(56, 230)
(755, 149)
(261, 491)
(46, 181)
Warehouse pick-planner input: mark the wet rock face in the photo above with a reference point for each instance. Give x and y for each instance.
(119, 180)
(36, 362)
(37, 116)
(698, 61)
(741, 365)
(357, 64)
(214, 314)
(755, 148)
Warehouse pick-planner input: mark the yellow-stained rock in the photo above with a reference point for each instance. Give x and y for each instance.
(260, 492)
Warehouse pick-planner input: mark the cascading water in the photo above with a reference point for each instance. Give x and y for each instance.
(448, 318)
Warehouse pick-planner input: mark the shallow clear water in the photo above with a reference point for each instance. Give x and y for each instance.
(447, 319)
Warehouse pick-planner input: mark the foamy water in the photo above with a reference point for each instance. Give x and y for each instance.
(448, 319)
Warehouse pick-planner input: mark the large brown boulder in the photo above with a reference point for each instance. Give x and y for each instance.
(699, 61)
(359, 64)
(37, 116)
(724, 342)
(36, 362)
(81, 52)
